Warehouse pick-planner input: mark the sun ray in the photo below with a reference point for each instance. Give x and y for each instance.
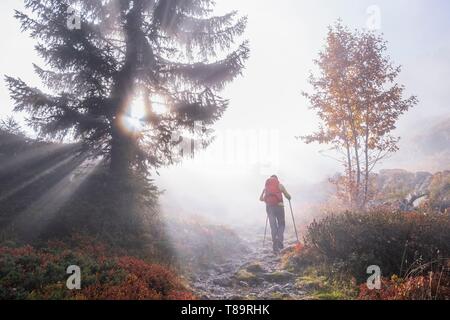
(33, 220)
(33, 154)
(35, 178)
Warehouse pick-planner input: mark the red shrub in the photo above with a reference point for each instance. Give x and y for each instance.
(132, 288)
(299, 248)
(433, 286)
(31, 273)
(156, 277)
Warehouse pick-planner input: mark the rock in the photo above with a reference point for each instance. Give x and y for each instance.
(217, 269)
(193, 278)
(223, 282)
(247, 277)
(274, 288)
(279, 276)
(288, 287)
(255, 268)
(227, 267)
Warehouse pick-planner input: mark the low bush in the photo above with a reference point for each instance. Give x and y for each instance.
(411, 249)
(40, 273)
(434, 286)
(391, 240)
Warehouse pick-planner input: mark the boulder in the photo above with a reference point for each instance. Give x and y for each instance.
(255, 268)
(247, 277)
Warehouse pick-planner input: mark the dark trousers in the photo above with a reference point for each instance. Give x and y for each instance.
(277, 225)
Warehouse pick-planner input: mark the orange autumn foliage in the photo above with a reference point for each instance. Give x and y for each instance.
(299, 248)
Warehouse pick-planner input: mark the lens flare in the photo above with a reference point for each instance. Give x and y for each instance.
(159, 104)
(135, 118)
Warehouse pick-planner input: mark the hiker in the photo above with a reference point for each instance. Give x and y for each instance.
(272, 195)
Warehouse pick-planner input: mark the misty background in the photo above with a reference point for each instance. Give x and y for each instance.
(256, 136)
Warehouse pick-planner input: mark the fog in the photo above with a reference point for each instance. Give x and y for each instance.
(285, 36)
(256, 136)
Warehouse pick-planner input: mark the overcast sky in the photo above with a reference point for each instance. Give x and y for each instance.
(266, 102)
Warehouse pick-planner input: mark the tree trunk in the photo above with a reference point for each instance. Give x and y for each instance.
(121, 153)
(366, 155)
(350, 170)
(122, 143)
(357, 161)
(358, 173)
(351, 120)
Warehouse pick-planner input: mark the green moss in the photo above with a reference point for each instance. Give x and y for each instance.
(331, 295)
(244, 275)
(322, 287)
(279, 276)
(309, 282)
(276, 296)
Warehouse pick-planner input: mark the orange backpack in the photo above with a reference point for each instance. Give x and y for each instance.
(273, 193)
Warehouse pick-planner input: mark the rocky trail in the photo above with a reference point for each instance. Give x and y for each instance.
(254, 273)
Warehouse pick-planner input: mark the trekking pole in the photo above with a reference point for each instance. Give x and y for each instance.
(265, 232)
(293, 220)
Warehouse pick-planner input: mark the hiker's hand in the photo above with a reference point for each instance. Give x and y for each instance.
(289, 198)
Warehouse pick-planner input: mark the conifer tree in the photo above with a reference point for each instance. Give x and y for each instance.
(101, 55)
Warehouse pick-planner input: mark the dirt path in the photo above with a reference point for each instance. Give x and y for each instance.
(255, 273)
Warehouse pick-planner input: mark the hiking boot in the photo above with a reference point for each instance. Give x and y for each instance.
(276, 249)
(278, 246)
